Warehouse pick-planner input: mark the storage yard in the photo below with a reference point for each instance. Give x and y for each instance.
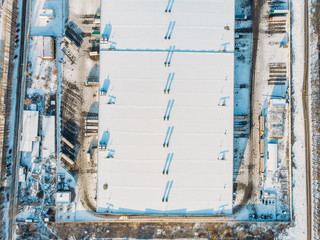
(271, 132)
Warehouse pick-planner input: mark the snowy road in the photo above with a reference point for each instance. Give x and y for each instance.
(305, 100)
(17, 133)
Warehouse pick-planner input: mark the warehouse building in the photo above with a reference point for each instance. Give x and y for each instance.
(45, 47)
(166, 107)
(29, 135)
(48, 136)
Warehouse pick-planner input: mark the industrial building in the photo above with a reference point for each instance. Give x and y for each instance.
(48, 136)
(29, 136)
(45, 47)
(166, 107)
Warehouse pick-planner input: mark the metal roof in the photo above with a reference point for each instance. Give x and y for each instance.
(166, 107)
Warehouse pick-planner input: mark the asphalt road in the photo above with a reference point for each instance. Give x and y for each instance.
(17, 131)
(305, 100)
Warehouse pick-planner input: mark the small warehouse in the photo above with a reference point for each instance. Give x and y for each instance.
(47, 14)
(49, 136)
(45, 47)
(29, 130)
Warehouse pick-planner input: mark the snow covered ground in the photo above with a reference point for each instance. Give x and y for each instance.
(43, 26)
(299, 229)
(86, 7)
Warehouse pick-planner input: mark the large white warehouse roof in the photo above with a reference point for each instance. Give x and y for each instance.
(166, 131)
